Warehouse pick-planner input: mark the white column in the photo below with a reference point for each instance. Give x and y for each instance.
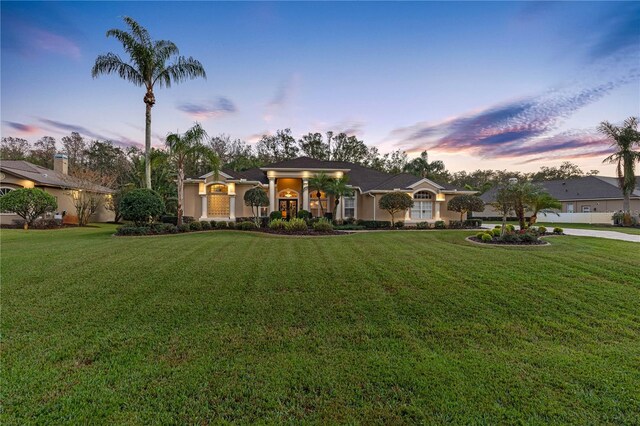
(355, 205)
(407, 215)
(204, 207)
(272, 194)
(437, 216)
(374, 206)
(232, 207)
(305, 194)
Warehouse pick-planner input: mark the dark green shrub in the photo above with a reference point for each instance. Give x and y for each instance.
(277, 224)
(509, 238)
(304, 214)
(184, 228)
(486, 238)
(439, 224)
(275, 215)
(455, 224)
(528, 237)
(399, 224)
(129, 230)
(395, 202)
(374, 224)
(349, 227)
(349, 221)
(174, 219)
(231, 225)
(163, 228)
(296, 225)
(141, 206)
(558, 230)
(246, 226)
(542, 230)
(195, 226)
(473, 223)
(28, 203)
(497, 227)
(205, 225)
(44, 224)
(323, 225)
(423, 225)
(221, 225)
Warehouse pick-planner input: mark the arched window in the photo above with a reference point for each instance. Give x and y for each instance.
(4, 190)
(422, 205)
(218, 205)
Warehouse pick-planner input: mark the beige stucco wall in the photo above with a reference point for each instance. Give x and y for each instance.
(192, 202)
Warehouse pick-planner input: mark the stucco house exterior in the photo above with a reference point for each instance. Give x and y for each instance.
(15, 174)
(221, 197)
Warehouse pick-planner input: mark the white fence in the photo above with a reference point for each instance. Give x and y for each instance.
(604, 218)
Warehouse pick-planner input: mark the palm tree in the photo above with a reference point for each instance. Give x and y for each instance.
(625, 138)
(338, 188)
(148, 67)
(522, 194)
(182, 147)
(544, 203)
(319, 183)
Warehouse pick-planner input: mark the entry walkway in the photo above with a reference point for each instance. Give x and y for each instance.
(612, 235)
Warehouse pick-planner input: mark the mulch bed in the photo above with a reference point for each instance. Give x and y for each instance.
(504, 243)
(307, 233)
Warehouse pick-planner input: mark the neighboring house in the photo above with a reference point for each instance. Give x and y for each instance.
(221, 197)
(57, 182)
(589, 194)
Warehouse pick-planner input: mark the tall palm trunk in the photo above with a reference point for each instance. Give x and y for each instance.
(180, 192)
(149, 100)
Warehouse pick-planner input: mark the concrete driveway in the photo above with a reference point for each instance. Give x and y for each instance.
(612, 235)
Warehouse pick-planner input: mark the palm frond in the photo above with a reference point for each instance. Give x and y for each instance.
(183, 69)
(110, 63)
(140, 32)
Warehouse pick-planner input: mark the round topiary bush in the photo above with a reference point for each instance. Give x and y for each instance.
(510, 228)
(275, 215)
(246, 226)
(486, 238)
(323, 225)
(496, 232)
(231, 225)
(205, 225)
(184, 228)
(195, 226)
(479, 235)
(221, 225)
(28, 203)
(542, 229)
(558, 230)
(141, 206)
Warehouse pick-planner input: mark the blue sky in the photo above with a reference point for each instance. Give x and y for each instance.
(480, 85)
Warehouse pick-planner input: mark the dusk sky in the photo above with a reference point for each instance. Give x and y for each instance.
(479, 85)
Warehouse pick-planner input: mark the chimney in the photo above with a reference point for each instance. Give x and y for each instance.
(61, 163)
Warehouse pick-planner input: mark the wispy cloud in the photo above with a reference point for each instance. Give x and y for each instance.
(617, 31)
(254, 138)
(282, 97)
(29, 40)
(214, 109)
(68, 127)
(23, 128)
(518, 128)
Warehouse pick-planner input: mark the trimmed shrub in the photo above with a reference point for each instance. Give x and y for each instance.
(510, 228)
(423, 225)
(141, 206)
(246, 226)
(542, 230)
(497, 227)
(349, 221)
(455, 224)
(44, 224)
(440, 224)
(205, 225)
(374, 224)
(323, 225)
(304, 214)
(296, 225)
(231, 225)
(184, 228)
(473, 223)
(195, 226)
(496, 232)
(275, 215)
(132, 230)
(528, 237)
(349, 227)
(163, 228)
(221, 225)
(28, 203)
(486, 238)
(558, 230)
(399, 224)
(174, 219)
(277, 224)
(509, 238)
(479, 235)
(395, 202)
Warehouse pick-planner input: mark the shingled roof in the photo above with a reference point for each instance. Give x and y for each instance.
(584, 188)
(45, 177)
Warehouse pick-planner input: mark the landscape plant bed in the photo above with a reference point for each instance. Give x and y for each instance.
(495, 242)
(309, 232)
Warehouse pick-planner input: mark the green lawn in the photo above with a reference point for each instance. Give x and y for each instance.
(386, 327)
(594, 226)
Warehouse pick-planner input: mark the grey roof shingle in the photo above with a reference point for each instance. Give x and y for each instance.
(43, 176)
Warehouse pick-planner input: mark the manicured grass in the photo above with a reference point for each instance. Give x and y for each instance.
(594, 226)
(386, 327)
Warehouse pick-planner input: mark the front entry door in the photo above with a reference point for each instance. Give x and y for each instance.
(288, 208)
